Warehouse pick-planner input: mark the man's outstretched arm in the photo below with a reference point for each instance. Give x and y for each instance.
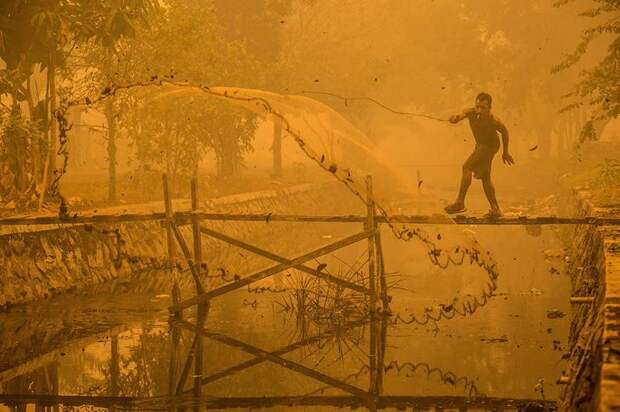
(460, 116)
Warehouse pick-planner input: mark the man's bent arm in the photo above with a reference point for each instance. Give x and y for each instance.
(501, 128)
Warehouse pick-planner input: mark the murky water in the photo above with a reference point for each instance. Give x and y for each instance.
(118, 340)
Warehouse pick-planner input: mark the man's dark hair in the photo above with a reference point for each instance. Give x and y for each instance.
(485, 97)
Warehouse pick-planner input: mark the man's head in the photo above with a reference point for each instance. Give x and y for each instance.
(483, 104)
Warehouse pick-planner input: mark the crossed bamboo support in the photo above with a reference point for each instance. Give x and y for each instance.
(376, 291)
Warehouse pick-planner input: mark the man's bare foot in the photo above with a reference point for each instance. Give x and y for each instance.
(494, 213)
(455, 208)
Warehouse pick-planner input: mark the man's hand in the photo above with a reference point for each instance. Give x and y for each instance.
(508, 159)
(454, 118)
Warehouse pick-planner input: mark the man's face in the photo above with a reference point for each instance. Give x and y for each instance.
(482, 108)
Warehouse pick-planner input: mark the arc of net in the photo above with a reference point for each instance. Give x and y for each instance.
(347, 99)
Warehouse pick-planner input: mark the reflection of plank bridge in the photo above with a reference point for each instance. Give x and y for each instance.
(375, 291)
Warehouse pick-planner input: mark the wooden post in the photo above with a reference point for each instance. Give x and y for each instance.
(383, 289)
(371, 227)
(381, 355)
(372, 285)
(169, 234)
(198, 359)
(175, 338)
(114, 367)
(170, 245)
(196, 235)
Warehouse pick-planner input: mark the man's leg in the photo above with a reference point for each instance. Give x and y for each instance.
(459, 204)
(489, 191)
(465, 183)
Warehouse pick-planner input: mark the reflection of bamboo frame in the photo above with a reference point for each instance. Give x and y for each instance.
(368, 399)
(180, 399)
(373, 399)
(262, 355)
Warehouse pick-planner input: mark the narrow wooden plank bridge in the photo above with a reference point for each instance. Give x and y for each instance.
(185, 217)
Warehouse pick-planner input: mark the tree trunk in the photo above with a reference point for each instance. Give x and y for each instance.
(277, 146)
(18, 146)
(50, 161)
(109, 114)
(35, 147)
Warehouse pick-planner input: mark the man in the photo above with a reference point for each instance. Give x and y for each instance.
(484, 126)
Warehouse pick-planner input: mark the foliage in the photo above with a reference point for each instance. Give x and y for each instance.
(171, 133)
(609, 175)
(16, 133)
(31, 31)
(37, 38)
(600, 85)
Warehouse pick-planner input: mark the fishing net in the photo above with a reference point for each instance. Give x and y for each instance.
(327, 139)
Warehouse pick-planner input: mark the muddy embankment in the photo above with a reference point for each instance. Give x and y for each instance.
(43, 263)
(593, 374)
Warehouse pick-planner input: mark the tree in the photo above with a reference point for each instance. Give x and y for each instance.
(599, 86)
(39, 36)
(171, 133)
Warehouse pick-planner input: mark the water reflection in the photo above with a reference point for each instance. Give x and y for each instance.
(117, 348)
(179, 367)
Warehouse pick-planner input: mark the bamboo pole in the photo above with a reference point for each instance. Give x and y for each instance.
(371, 227)
(171, 266)
(168, 215)
(175, 338)
(173, 232)
(196, 236)
(280, 259)
(383, 289)
(187, 366)
(199, 361)
(114, 367)
(381, 354)
(269, 272)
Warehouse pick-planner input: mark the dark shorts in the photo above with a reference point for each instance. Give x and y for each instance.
(479, 162)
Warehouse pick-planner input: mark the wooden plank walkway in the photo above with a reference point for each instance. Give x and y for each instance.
(185, 218)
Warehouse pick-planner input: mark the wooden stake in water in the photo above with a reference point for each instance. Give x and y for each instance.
(196, 235)
(372, 285)
(176, 292)
(169, 234)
